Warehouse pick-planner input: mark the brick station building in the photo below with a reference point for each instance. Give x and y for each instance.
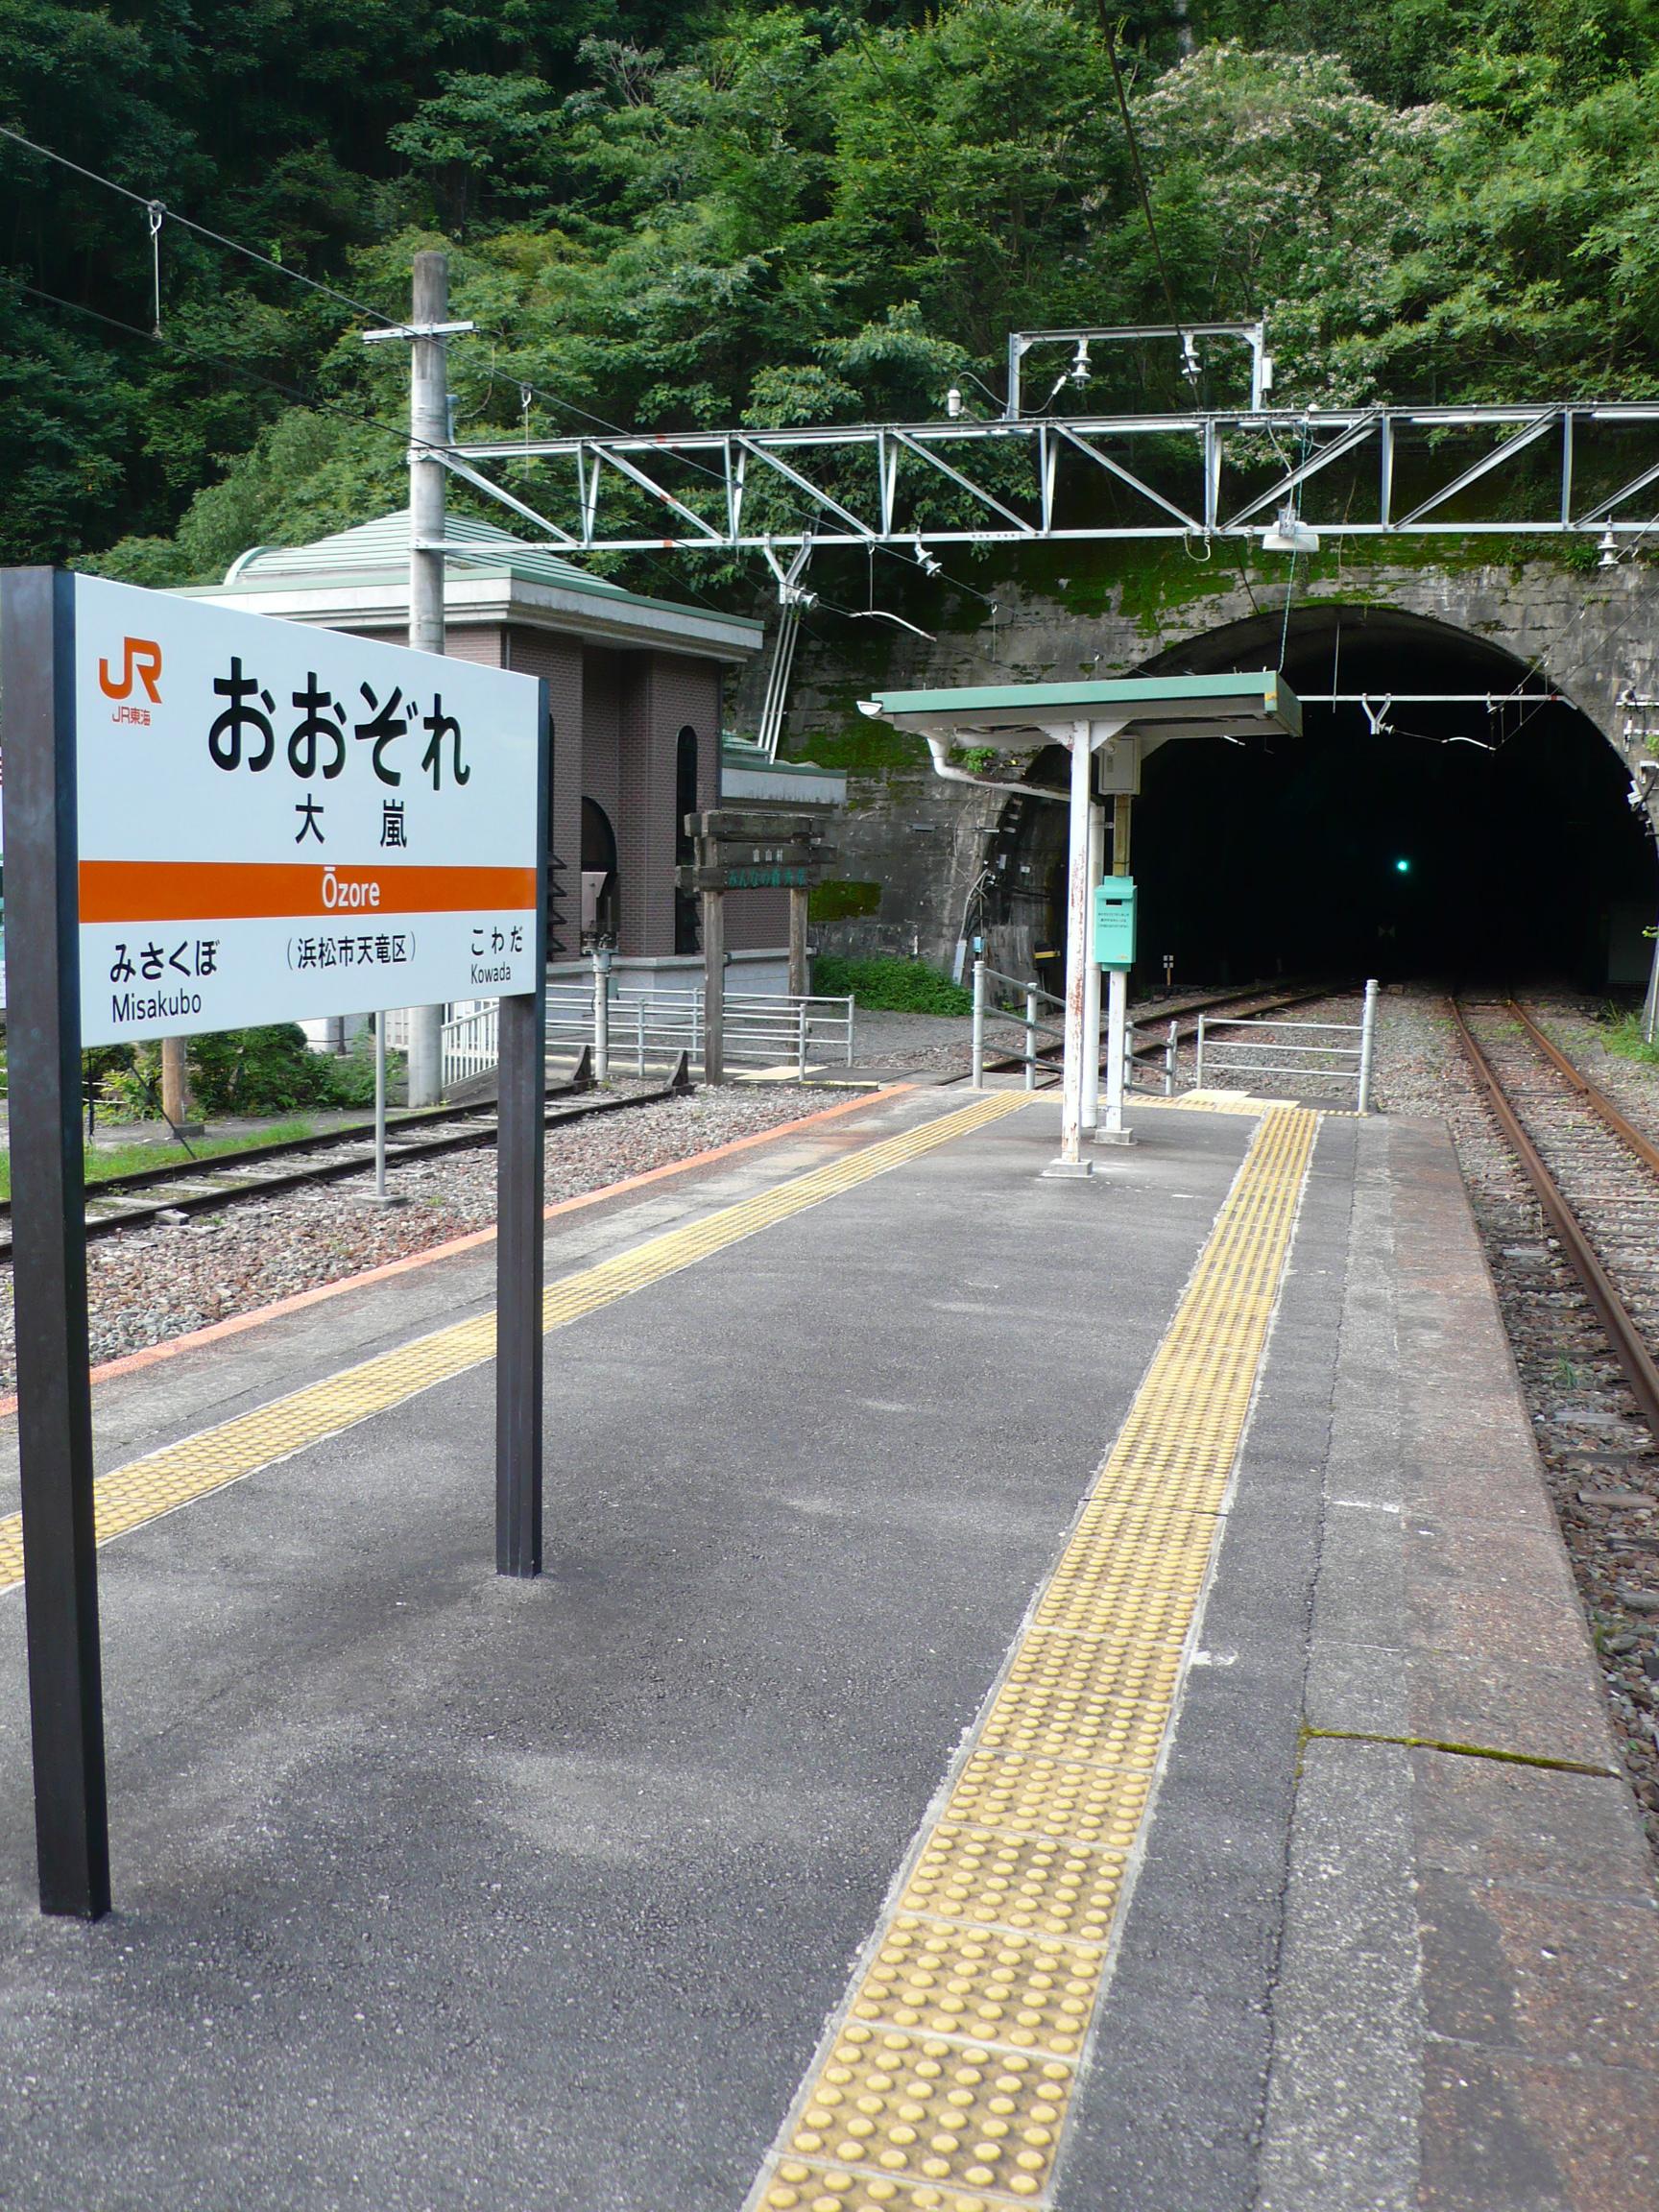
(635, 688)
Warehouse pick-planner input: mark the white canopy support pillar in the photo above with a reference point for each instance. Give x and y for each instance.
(1091, 981)
(1081, 1033)
(1149, 710)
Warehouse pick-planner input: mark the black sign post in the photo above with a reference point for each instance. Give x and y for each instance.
(520, 1180)
(49, 1244)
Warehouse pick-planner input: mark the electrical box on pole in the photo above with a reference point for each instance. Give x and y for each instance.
(1115, 922)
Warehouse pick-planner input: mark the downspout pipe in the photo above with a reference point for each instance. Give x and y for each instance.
(939, 747)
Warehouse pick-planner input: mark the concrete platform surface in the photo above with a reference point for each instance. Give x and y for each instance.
(434, 1890)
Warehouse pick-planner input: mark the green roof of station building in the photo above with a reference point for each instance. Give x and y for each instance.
(358, 579)
(381, 549)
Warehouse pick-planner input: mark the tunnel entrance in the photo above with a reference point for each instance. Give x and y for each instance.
(1480, 844)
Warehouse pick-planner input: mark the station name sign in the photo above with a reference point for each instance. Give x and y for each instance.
(278, 822)
(748, 849)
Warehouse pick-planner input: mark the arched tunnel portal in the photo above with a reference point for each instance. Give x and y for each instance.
(1472, 842)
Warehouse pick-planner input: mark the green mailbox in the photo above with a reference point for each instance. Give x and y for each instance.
(1115, 922)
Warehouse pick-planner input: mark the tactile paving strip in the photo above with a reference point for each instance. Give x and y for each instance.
(166, 1479)
(1019, 1883)
(946, 2084)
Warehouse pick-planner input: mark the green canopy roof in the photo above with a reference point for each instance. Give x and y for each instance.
(1151, 708)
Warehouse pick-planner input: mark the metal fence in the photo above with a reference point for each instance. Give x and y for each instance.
(632, 1033)
(1336, 1053)
(988, 1014)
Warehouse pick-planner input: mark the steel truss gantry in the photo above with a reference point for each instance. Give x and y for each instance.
(856, 485)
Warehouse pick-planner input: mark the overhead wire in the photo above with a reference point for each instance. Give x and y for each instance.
(151, 205)
(158, 210)
(403, 435)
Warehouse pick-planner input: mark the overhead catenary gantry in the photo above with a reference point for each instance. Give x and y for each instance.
(1229, 475)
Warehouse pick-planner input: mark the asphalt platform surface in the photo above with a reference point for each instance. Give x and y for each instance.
(435, 1890)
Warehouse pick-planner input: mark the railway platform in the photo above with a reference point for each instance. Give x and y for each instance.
(1044, 1693)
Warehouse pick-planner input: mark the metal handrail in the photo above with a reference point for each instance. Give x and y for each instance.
(1028, 1022)
(1359, 1056)
(761, 1028)
(1017, 983)
(1260, 1021)
(1308, 1051)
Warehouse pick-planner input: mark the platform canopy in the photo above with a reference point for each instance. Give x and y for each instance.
(1153, 709)
(1116, 722)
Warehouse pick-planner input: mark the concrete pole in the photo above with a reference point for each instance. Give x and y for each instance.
(175, 1100)
(428, 427)
(713, 986)
(1092, 979)
(1367, 1037)
(798, 980)
(380, 1107)
(601, 1017)
(1078, 895)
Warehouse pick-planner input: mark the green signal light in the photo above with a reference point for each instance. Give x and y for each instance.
(1403, 867)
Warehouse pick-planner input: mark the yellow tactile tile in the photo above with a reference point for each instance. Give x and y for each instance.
(130, 1496)
(1091, 1697)
(1032, 1885)
(1024, 1992)
(946, 2084)
(1050, 1798)
(898, 2113)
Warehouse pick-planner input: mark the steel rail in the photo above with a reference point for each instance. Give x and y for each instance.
(1644, 1147)
(236, 1193)
(1620, 1330)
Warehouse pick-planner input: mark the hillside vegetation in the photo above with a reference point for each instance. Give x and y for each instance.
(668, 215)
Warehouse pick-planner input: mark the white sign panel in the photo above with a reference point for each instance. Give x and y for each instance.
(278, 822)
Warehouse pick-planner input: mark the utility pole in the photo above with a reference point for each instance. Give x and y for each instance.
(428, 333)
(428, 427)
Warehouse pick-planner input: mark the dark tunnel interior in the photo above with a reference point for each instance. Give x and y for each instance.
(1472, 844)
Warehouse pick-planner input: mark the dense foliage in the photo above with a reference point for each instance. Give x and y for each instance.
(889, 985)
(668, 214)
(269, 1071)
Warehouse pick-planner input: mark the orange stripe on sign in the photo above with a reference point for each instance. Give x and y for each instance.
(235, 891)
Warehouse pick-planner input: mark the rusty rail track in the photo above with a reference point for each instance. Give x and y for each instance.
(1644, 1147)
(1624, 1339)
(226, 1179)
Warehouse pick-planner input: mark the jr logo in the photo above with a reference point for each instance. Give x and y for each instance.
(140, 658)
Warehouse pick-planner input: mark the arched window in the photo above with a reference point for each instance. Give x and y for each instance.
(684, 847)
(601, 899)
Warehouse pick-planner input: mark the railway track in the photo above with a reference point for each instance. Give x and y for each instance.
(266, 1170)
(1594, 1175)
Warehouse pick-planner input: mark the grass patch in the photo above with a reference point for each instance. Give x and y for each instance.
(103, 1167)
(843, 901)
(889, 985)
(1622, 1033)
